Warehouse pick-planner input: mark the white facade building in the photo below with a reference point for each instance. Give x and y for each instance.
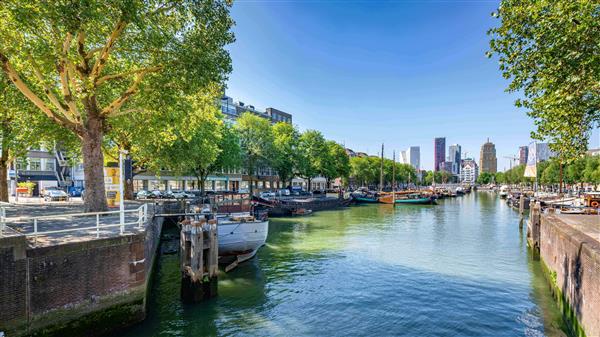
(469, 171)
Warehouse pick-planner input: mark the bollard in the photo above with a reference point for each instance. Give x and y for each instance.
(199, 260)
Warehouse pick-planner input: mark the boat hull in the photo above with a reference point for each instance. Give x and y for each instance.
(417, 201)
(238, 238)
(360, 200)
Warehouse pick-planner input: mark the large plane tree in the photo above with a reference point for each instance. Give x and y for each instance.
(83, 64)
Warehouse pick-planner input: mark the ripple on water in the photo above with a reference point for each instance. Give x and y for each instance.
(457, 269)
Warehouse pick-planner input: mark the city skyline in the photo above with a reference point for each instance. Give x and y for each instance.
(401, 84)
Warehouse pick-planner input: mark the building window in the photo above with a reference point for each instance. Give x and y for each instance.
(49, 165)
(35, 164)
(21, 164)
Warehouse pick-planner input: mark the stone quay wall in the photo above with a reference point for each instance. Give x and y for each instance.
(83, 288)
(572, 262)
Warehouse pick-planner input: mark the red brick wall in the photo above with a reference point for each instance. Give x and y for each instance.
(575, 258)
(79, 273)
(56, 287)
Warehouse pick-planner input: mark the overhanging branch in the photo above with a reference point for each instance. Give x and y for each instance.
(127, 73)
(103, 57)
(113, 108)
(24, 89)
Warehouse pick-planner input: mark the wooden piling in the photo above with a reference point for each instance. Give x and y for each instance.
(533, 226)
(522, 205)
(199, 260)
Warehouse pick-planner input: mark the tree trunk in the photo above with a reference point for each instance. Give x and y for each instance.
(93, 163)
(4, 175)
(128, 189)
(309, 185)
(251, 186)
(202, 182)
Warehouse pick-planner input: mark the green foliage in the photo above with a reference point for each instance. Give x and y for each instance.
(198, 153)
(485, 178)
(551, 174)
(500, 178)
(128, 67)
(549, 50)
(337, 161)
(230, 156)
(314, 155)
(286, 141)
(443, 177)
(256, 142)
(362, 170)
(366, 171)
(428, 178)
(591, 172)
(27, 184)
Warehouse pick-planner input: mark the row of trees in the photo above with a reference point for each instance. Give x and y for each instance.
(253, 143)
(366, 171)
(581, 170)
(143, 77)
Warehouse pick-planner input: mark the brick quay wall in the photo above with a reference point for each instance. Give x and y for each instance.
(569, 247)
(82, 288)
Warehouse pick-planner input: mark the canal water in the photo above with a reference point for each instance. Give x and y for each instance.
(460, 268)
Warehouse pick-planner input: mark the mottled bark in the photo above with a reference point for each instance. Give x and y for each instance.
(128, 189)
(3, 175)
(93, 161)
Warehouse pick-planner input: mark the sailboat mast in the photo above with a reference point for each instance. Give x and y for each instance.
(394, 177)
(381, 171)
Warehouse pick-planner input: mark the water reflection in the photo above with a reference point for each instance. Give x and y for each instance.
(458, 268)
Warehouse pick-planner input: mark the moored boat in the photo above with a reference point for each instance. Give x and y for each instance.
(364, 197)
(415, 199)
(241, 228)
(386, 198)
(503, 193)
(241, 234)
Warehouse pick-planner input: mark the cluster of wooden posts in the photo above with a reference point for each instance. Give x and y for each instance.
(199, 259)
(533, 224)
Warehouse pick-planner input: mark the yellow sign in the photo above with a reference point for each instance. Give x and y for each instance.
(111, 184)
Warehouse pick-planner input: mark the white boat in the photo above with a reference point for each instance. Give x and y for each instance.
(503, 193)
(241, 234)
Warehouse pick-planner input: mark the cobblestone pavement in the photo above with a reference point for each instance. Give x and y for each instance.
(20, 218)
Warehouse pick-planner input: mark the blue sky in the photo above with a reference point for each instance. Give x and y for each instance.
(367, 72)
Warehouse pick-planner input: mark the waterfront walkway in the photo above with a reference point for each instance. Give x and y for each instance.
(64, 216)
(588, 225)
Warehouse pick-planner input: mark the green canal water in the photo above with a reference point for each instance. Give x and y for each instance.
(461, 268)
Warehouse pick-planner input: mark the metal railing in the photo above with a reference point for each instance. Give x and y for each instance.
(2, 217)
(141, 212)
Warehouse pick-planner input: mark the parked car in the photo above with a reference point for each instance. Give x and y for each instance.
(267, 195)
(143, 194)
(46, 190)
(56, 195)
(156, 194)
(284, 192)
(178, 194)
(75, 191)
